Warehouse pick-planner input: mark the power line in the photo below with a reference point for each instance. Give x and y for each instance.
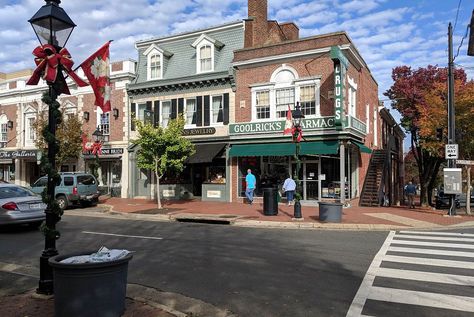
(462, 40)
(457, 14)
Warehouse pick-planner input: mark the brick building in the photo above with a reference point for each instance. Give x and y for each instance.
(338, 96)
(20, 106)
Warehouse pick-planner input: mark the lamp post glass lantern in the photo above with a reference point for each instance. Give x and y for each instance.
(298, 116)
(52, 26)
(98, 135)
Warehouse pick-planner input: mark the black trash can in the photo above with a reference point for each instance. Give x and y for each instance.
(89, 289)
(270, 201)
(330, 212)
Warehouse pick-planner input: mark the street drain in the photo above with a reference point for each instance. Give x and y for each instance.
(202, 220)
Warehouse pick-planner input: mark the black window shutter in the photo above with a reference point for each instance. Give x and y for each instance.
(207, 111)
(199, 111)
(226, 108)
(156, 113)
(148, 105)
(173, 109)
(180, 106)
(133, 115)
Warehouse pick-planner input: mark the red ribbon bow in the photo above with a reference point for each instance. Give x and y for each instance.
(48, 60)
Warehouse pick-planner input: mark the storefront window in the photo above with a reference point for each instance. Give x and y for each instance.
(216, 174)
(330, 186)
(172, 177)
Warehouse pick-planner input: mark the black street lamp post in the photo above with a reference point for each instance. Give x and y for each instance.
(52, 26)
(98, 139)
(297, 118)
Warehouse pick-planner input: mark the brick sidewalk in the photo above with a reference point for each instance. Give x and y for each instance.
(351, 215)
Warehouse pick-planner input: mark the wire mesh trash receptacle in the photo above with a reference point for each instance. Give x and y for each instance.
(330, 212)
(270, 201)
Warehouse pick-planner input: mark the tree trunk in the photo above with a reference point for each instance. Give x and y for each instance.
(158, 198)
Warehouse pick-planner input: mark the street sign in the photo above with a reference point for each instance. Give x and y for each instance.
(464, 162)
(452, 180)
(451, 151)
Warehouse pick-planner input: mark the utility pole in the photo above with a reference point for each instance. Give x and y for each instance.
(451, 125)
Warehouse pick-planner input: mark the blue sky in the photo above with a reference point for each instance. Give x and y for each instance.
(388, 33)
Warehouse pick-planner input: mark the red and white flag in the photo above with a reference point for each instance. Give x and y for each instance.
(96, 69)
(288, 122)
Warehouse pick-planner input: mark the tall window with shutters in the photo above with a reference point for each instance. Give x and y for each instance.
(165, 113)
(217, 110)
(4, 134)
(191, 114)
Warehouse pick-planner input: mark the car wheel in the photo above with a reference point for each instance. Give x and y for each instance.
(62, 202)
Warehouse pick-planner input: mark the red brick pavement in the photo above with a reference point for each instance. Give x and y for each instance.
(351, 215)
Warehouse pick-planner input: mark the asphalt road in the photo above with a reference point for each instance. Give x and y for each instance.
(249, 271)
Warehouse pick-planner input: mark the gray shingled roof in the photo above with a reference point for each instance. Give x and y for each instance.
(183, 61)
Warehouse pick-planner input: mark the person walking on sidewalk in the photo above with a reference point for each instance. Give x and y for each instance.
(250, 185)
(289, 187)
(410, 191)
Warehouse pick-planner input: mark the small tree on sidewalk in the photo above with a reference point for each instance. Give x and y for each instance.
(162, 149)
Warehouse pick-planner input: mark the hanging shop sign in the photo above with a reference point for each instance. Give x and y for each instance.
(199, 131)
(340, 69)
(18, 154)
(106, 151)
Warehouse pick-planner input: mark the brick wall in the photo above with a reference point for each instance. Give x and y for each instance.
(10, 112)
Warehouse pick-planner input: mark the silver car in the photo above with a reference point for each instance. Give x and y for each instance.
(20, 205)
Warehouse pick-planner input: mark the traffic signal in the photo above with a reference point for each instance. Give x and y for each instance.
(439, 134)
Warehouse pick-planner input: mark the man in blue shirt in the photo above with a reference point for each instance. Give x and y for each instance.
(289, 187)
(250, 182)
(410, 191)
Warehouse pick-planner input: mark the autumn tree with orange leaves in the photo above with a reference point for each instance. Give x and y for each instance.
(421, 98)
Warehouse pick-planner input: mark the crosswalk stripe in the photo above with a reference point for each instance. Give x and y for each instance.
(453, 302)
(434, 233)
(432, 252)
(428, 261)
(434, 244)
(426, 276)
(459, 239)
(355, 310)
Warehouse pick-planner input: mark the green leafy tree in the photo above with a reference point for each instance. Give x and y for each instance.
(162, 149)
(68, 135)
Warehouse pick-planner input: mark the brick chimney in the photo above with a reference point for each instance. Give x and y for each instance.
(256, 26)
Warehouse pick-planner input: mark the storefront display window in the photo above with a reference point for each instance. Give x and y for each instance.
(171, 177)
(216, 175)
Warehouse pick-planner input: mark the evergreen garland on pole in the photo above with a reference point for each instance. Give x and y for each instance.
(49, 170)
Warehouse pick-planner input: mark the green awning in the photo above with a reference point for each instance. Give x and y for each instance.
(320, 147)
(266, 149)
(363, 148)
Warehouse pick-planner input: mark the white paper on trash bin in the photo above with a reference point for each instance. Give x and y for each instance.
(102, 255)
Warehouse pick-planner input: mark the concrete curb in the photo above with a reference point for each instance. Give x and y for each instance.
(176, 304)
(241, 221)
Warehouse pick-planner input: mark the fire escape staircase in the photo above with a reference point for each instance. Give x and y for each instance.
(373, 185)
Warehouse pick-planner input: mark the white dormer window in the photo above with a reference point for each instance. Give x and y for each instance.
(155, 66)
(205, 58)
(205, 52)
(155, 61)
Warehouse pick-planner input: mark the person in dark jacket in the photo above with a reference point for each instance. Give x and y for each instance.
(410, 191)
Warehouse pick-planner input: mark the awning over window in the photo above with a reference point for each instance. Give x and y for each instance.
(363, 148)
(319, 147)
(267, 149)
(205, 153)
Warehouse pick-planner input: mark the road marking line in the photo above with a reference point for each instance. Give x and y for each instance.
(434, 233)
(453, 302)
(360, 298)
(122, 235)
(426, 276)
(432, 252)
(409, 237)
(434, 244)
(428, 261)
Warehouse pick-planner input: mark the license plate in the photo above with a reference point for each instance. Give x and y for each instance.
(35, 206)
(89, 196)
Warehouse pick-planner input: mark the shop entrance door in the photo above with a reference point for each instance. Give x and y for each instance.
(310, 181)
